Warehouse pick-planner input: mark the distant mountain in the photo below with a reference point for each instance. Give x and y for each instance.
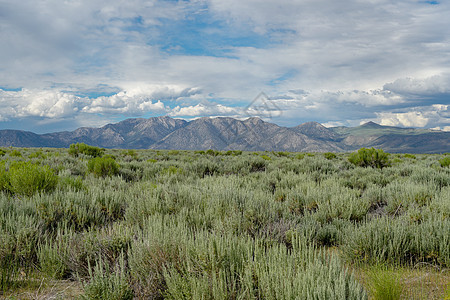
(130, 133)
(252, 134)
(318, 131)
(394, 139)
(223, 133)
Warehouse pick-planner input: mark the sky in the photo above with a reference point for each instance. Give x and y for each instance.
(65, 64)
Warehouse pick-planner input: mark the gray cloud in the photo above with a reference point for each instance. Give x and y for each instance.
(328, 61)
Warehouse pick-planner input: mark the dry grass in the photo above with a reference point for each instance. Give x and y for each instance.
(424, 282)
(46, 289)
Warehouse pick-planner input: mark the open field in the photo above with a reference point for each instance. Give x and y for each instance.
(148, 224)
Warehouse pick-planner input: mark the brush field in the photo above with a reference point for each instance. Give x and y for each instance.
(91, 223)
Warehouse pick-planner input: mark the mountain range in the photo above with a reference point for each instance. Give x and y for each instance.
(223, 133)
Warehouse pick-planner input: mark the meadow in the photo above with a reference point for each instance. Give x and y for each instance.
(92, 223)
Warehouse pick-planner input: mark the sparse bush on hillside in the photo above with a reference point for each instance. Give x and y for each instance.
(82, 148)
(375, 158)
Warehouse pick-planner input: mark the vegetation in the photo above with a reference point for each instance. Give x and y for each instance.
(375, 158)
(213, 224)
(81, 148)
(103, 166)
(445, 162)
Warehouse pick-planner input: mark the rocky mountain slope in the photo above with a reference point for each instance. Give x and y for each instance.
(223, 133)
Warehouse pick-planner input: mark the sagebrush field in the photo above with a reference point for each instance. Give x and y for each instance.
(91, 223)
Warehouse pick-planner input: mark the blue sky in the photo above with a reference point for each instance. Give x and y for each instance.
(72, 63)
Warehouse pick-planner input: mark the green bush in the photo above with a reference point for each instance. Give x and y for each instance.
(15, 153)
(103, 166)
(233, 152)
(3, 177)
(212, 152)
(131, 153)
(300, 156)
(445, 162)
(26, 178)
(375, 158)
(329, 155)
(52, 259)
(281, 154)
(2, 152)
(384, 283)
(82, 148)
(108, 284)
(37, 154)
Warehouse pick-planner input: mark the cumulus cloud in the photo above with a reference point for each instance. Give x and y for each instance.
(201, 109)
(417, 117)
(54, 104)
(326, 61)
(430, 86)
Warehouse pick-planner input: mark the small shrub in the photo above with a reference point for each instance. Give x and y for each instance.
(131, 153)
(3, 177)
(15, 153)
(375, 158)
(2, 152)
(233, 152)
(82, 148)
(26, 178)
(300, 156)
(37, 154)
(52, 260)
(212, 152)
(384, 284)
(281, 154)
(108, 285)
(103, 166)
(74, 183)
(266, 157)
(329, 155)
(445, 162)
(407, 155)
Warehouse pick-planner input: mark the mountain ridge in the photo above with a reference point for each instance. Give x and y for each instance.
(225, 133)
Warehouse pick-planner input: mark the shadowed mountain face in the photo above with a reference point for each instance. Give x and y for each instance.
(252, 134)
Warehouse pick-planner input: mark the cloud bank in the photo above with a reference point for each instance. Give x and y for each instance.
(81, 63)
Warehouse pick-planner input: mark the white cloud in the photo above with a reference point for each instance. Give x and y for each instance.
(426, 116)
(430, 86)
(205, 110)
(409, 119)
(55, 104)
(341, 53)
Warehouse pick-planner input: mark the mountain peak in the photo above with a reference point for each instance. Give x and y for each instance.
(315, 130)
(311, 124)
(254, 120)
(371, 124)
